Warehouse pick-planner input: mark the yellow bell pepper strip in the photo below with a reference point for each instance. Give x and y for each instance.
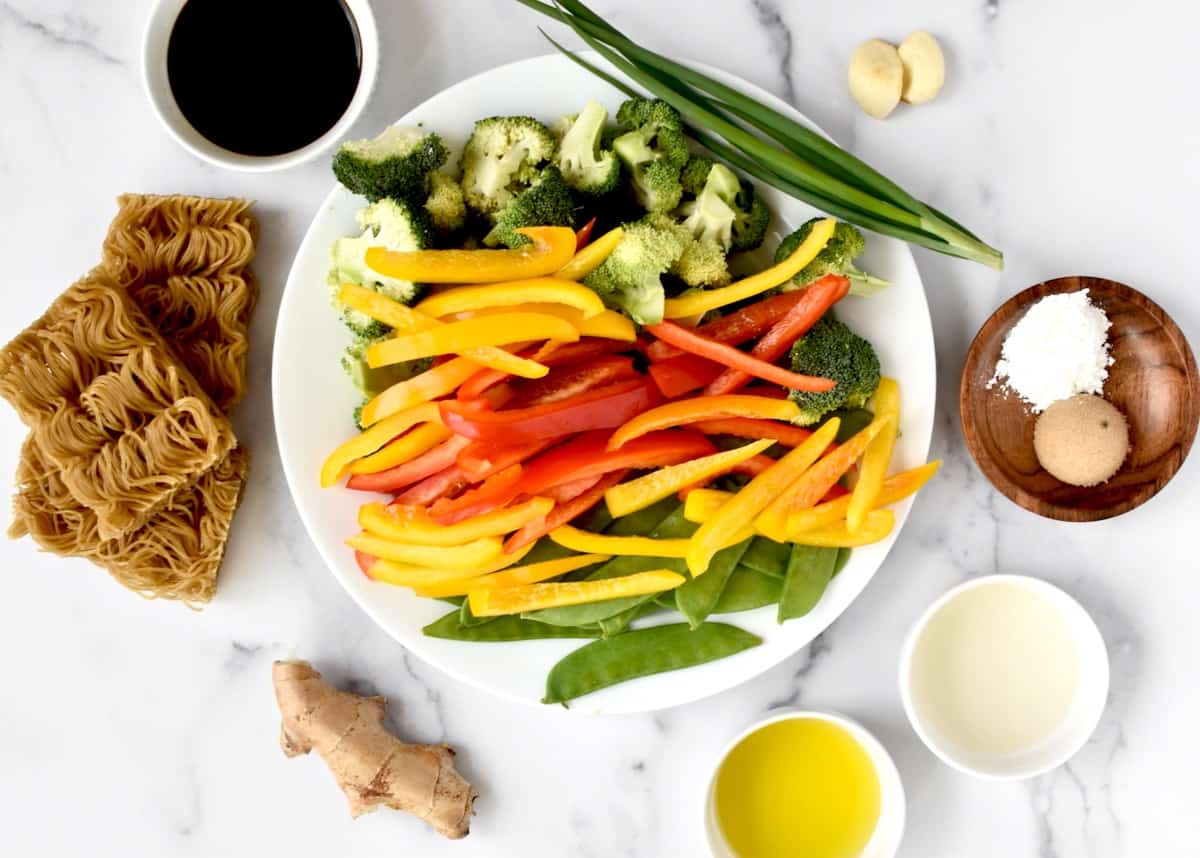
(545, 290)
(409, 321)
(702, 504)
(414, 526)
(876, 526)
(431, 384)
(370, 440)
(458, 337)
(624, 498)
(466, 556)
(515, 575)
(408, 446)
(422, 577)
(877, 457)
(609, 325)
(599, 543)
(776, 275)
(831, 513)
(701, 408)
(495, 602)
(732, 519)
(591, 256)
(552, 247)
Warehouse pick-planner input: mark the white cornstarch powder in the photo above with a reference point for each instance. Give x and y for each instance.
(1059, 348)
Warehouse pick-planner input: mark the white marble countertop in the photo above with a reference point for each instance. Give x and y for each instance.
(1067, 135)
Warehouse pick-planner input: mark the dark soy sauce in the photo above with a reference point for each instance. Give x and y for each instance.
(263, 77)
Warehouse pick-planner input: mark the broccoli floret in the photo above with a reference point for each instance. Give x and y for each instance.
(394, 164)
(702, 261)
(753, 218)
(502, 158)
(394, 224)
(653, 150)
(372, 382)
(444, 202)
(724, 209)
(832, 350)
(358, 410)
(547, 202)
(838, 257)
(630, 279)
(588, 167)
(694, 174)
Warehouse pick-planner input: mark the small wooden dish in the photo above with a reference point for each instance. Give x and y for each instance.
(1152, 380)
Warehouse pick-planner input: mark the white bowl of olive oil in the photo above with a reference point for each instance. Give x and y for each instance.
(803, 782)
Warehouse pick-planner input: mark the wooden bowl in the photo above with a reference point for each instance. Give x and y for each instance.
(1152, 380)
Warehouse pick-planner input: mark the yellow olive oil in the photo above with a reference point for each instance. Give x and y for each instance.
(800, 787)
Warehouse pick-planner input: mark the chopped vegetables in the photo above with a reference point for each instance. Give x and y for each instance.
(596, 543)
(493, 602)
(402, 449)
(468, 554)
(550, 290)
(431, 384)
(401, 476)
(827, 514)
(877, 456)
(591, 256)
(372, 439)
(413, 525)
(876, 526)
(640, 493)
(702, 408)
(457, 337)
(552, 247)
(692, 342)
(531, 573)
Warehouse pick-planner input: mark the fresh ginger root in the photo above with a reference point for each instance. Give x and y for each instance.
(371, 765)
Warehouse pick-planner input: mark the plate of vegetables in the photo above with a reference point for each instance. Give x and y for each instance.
(578, 413)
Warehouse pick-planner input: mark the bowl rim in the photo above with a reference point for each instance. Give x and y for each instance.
(1008, 313)
(156, 88)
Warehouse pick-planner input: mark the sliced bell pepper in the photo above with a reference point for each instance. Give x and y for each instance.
(564, 492)
(420, 577)
(566, 381)
(562, 513)
(734, 517)
(481, 459)
(729, 356)
(445, 483)
(394, 479)
(459, 337)
(830, 513)
(431, 384)
(365, 561)
(756, 284)
(374, 438)
(602, 408)
(403, 449)
(877, 456)
(532, 573)
(466, 555)
(588, 347)
(550, 249)
(683, 374)
(413, 525)
(736, 328)
(819, 297)
(703, 504)
(877, 524)
(584, 234)
(589, 456)
(754, 466)
(547, 290)
(495, 602)
(608, 324)
(599, 543)
(588, 259)
(640, 493)
(702, 408)
(749, 427)
(495, 491)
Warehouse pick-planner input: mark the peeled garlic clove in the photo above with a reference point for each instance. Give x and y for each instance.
(924, 67)
(876, 77)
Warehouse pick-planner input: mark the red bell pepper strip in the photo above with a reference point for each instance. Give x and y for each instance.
(562, 513)
(402, 476)
(753, 466)
(817, 298)
(603, 408)
(750, 427)
(586, 347)
(481, 459)
(564, 492)
(584, 234)
(494, 492)
(567, 381)
(364, 560)
(692, 342)
(683, 374)
(587, 456)
(738, 327)
(439, 485)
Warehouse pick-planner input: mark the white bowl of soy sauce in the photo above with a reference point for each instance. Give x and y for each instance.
(259, 85)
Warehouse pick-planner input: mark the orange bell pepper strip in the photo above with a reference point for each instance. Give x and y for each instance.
(562, 513)
(551, 248)
(588, 258)
(828, 514)
(372, 439)
(421, 577)
(495, 602)
(459, 337)
(546, 290)
(465, 555)
(756, 284)
(877, 524)
(431, 384)
(600, 543)
(656, 485)
(405, 524)
(493, 492)
(877, 456)
(532, 573)
(692, 342)
(682, 374)
(739, 326)
(403, 449)
(750, 427)
(734, 518)
(702, 408)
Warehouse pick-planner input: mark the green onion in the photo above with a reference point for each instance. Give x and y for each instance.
(792, 157)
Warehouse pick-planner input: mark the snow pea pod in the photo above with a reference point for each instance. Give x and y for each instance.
(501, 629)
(842, 559)
(746, 590)
(853, 421)
(696, 598)
(809, 572)
(642, 652)
(767, 556)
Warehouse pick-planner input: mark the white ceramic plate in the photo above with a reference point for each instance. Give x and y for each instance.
(313, 403)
